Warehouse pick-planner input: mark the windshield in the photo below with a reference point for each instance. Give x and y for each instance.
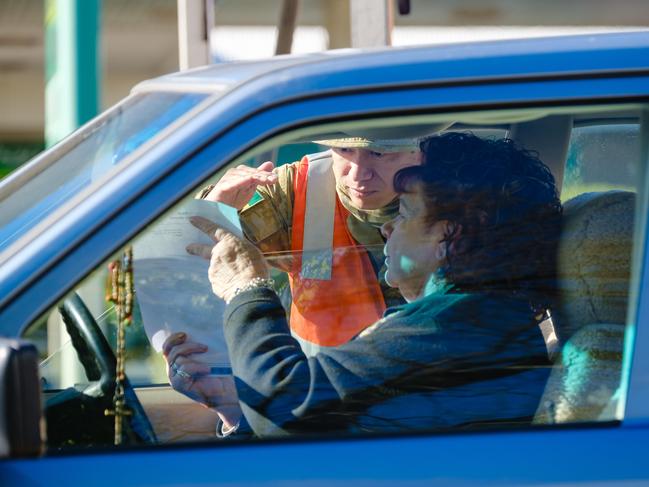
(102, 147)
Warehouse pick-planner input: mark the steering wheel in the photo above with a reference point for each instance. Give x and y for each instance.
(99, 363)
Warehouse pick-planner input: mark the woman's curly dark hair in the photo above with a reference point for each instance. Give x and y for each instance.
(504, 210)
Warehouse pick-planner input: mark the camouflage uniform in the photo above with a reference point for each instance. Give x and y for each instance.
(267, 222)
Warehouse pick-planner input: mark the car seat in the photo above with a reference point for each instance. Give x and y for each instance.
(594, 266)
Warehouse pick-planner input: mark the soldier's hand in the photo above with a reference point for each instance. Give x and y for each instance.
(239, 184)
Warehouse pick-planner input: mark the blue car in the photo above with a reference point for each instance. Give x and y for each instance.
(84, 391)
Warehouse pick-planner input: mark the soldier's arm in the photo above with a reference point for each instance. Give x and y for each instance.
(267, 219)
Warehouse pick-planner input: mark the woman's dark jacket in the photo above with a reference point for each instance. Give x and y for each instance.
(443, 361)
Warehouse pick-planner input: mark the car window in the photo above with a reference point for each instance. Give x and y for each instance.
(94, 151)
(353, 307)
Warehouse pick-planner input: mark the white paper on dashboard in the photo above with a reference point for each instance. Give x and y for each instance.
(172, 287)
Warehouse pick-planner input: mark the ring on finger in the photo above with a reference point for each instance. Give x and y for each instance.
(178, 371)
(183, 374)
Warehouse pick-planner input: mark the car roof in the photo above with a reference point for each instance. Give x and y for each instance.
(347, 68)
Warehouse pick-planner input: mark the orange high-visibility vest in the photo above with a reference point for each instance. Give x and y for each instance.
(335, 290)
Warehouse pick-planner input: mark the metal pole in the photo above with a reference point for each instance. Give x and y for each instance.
(287, 21)
(371, 22)
(195, 22)
(72, 73)
(337, 21)
(72, 68)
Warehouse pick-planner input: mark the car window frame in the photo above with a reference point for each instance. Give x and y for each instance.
(636, 364)
(185, 173)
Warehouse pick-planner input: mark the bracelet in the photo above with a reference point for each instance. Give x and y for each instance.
(255, 283)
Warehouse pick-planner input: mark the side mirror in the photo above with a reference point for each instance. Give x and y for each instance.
(20, 399)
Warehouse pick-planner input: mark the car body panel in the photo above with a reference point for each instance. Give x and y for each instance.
(596, 456)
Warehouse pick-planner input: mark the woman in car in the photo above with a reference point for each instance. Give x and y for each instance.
(472, 250)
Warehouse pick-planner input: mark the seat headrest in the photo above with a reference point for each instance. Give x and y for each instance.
(594, 260)
(583, 382)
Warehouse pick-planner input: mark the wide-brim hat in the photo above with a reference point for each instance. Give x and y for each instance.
(384, 139)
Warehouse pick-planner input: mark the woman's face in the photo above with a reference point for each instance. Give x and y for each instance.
(414, 249)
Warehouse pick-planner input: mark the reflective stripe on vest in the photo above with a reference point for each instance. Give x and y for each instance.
(336, 294)
(320, 209)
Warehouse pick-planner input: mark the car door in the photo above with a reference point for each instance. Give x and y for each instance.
(605, 449)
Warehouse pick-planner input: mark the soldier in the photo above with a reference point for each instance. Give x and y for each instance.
(326, 210)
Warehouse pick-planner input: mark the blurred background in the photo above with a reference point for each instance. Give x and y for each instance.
(113, 44)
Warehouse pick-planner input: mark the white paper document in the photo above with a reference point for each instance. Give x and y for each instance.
(172, 287)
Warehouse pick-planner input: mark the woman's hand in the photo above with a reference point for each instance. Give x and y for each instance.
(191, 377)
(233, 262)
